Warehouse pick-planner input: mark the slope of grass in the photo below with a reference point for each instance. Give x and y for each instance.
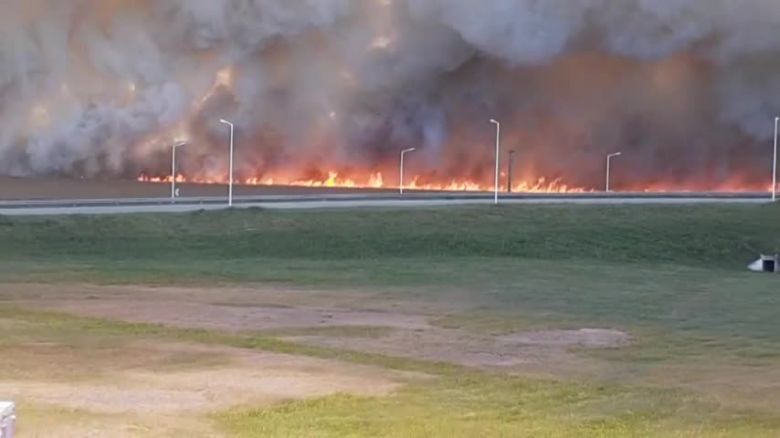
(672, 276)
(659, 269)
(700, 235)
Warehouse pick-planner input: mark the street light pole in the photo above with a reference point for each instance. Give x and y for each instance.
(498, 155)
(173, 168)
(403, 155)
(774, 164)
(609, 166)
(230, 183)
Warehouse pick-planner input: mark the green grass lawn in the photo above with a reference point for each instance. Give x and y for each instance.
(491, 406)
(721, 236)
(672, 276)
(669, 268)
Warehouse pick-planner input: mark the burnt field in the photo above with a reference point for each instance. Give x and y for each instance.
(40, 188)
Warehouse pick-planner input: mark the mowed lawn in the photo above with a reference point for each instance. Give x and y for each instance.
(672, 276)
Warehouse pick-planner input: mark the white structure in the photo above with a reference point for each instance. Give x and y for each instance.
(174, 192)
(498, 154)
(609, 167)
(766, 264)
(230, 183)
(7, 419)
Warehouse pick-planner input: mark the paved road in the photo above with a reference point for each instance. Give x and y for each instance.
(183, 205)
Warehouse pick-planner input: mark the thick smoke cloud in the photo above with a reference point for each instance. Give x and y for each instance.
(687, 89)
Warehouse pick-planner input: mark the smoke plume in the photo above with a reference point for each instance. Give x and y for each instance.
(686, 89)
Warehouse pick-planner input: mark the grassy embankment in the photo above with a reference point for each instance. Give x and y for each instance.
(674, 276)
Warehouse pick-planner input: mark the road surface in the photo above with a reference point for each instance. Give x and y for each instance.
(335, 201)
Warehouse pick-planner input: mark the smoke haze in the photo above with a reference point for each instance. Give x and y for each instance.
(687, 89)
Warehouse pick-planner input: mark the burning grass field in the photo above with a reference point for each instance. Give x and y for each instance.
(14, 189)
(514, 321)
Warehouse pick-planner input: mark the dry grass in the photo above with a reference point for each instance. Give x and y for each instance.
(89, 384)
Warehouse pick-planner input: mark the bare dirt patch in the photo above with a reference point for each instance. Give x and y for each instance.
(233, 318)
(53, 422)
(584, 338)
(148, 397)
(333, 319)
(250, 378)
(229, 309)
(549, 353)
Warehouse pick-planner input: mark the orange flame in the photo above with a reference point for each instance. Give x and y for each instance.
(376, 181)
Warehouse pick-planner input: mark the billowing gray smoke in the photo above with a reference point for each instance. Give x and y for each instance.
(687, 89)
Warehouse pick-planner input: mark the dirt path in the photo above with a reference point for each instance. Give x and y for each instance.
(340, 320)
(227, 309)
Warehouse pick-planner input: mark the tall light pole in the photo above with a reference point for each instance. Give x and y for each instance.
(403, 156)
(609, 166)
(774, 164)
(173, 168)
(498, 155)
(230, 182)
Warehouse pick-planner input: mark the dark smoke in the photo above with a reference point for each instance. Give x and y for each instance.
(687, 89)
